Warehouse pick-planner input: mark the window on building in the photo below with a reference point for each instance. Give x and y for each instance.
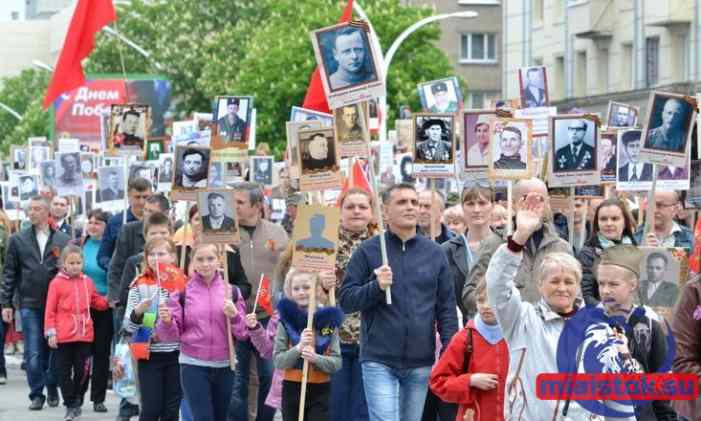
(557, 87)
(603, 70)
(478, 48)
(537, 12)
(652, 60)
(476, 100)
(627, 66)
(580, 74)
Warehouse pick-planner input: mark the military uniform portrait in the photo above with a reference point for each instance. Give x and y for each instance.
(28, 187)
(510, 152)
(351, 123)
(232, 117)
(262, 170)
(434, 139)
(670, 120)
(347, 56)
(129, 125)
(69, 181)
(533, 84)
(440, 96)
(621, 115)
(574, 144)
(476, 138)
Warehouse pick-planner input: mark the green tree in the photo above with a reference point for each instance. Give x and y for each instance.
(23, 93)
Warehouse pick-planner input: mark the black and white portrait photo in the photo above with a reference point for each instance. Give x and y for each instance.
(28, 187)
(659, 271)
(141, 170)
(165, 168)
(232, 119)
(299, 114)
(69, 181)
(668, 124)
(88, 165)
(216, 175)
(37, 155)
(510, 152)
(129, 126)
(47, 170)
(351, 123)
(317, 151)
(630, 168)
(19, 158)
(346, 56)
(110, 184)
(533, 83)
(218, 216)
(262, 170)
(574, 144)
(434, 139)
(440, 96)
(621, 115)
(606, 153)
(191, 167)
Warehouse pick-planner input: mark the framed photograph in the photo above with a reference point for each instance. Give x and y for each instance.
(441, 96)
(434, 145)
(19, 158)
(318, 159)
(184, 129)
(129, 126)
(28, 187)
(663, 274)
(315, 235)
(232, 118)
(37, 155)
(88, 165)
(47, 171)
(154, 148)
(693, 196)
(191, 170)
(672, 178)
(293, 129)
(593, 191)
(262, 170)
(533, 85)
(350, 66)
(141, 169)
(607, 156)
(218, 216)
(510, 154)
(165, 168)
(405, 135)
(299, 114)
(633, 174)
(38, 141)
(476, 135)
(666, 134)
(573, 151)
(621, 115)
(216, 175)
(110, 184)
(351, 127)
(69, 181)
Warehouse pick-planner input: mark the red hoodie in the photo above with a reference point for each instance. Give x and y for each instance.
(68, 308)
(450, 379)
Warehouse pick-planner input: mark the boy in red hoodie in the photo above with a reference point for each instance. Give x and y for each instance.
(472, 370)
(69, 328)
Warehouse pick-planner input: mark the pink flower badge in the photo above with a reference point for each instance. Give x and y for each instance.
(697, 313)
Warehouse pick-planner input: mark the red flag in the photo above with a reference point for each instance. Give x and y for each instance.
(88, 19)
(695, 258)
(356, 180)
(265, 299)
(315, 99)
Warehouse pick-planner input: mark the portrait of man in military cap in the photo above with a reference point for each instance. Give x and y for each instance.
(434, 139)
(440, 96)
(669, 123)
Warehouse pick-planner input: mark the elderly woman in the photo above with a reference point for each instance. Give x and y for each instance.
(532, 331)
(612, 225)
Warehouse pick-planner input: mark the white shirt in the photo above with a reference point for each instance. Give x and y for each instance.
(651, 288)
(670, 240)
(42, 239)
(215, 224)
(475, 156)
(636, 169)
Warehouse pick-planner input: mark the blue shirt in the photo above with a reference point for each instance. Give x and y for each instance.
(91, 268)
(109, 238)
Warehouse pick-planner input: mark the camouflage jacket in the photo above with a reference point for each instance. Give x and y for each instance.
(349, 331)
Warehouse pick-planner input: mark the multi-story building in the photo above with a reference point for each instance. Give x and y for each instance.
(473, 46)
(601, 50)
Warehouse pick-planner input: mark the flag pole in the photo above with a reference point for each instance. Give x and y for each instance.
(229, 295)
(305, 367)
(380, 224)
(255, 303)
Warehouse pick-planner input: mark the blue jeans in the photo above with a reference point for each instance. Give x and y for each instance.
(207, 391)
(347, 396)
(185, 412)
(395, 394)
(239, 404)
(40, 364)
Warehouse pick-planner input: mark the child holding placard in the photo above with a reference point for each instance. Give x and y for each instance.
(69, 327)
(159, 370)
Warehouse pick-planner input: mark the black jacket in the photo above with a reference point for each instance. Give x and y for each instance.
(589, 259)
(130, 242)
(401, 335)
(27, 271)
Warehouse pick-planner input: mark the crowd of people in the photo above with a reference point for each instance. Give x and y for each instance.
(477, 308)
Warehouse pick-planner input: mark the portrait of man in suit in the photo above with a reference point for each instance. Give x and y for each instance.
(533, 92)
(672, 133)
(655, 290)
(634, 170)
(192, 168)
(621, 115)
(607, 155)
(111, 182)
(578, 152)
(216, 220)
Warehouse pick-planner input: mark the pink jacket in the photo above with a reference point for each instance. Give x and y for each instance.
(201, 326)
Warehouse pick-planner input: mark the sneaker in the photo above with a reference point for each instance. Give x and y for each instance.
(99, 407)
(78, 411)
(52, 398)
(70, 415)
(3, 379)
(37, 404)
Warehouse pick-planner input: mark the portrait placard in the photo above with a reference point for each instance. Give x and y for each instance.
(262, 170)
(434, 145)
(693, 196)
(593, 191)
(672, 178)
(533, 85)
(405, 135)
(66, 144)
(540, 116)
(440, 96)
(234, 163)
(405, 168)
(218, 216)
(315, 235)
(165, 171)
(154, 148)
(510, 154)
(349, 64)
(293, 128)
(299, 114)
(110, 184)
(88, 165)
(196, 138)
(666, 134)
(216, 175)
(663, 274)
(621, 115)
(47, 170)
(476, 135)
(183, 129)
(69, 181)
(19, 158)
(318, 158)
(573, 151)
(351, 129)
(607, 155)
(129, 127)
(28, 186)
(633, 174)
(37, 155)
(191, 171)
(232, 118)
(11, 204)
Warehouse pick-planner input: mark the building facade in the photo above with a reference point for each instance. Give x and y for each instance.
(473, 46)
(601, 50)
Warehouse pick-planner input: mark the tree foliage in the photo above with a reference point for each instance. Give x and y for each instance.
(23, 93)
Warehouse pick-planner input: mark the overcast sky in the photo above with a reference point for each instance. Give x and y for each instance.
(9, 6)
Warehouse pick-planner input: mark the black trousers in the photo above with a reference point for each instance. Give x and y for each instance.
(72, 370)
(159, 385)
(317, 401)
(435, 409)
(100, 350)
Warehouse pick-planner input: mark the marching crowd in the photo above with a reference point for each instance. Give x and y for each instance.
(475, 315)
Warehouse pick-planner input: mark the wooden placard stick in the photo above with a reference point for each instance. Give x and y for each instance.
(434, 209)
(183, 250)
(509, 206)
(255, 303)
(71, 219)
(650, 220)
(305, 367)
(228, 296)
(607, 191)
(570, 217)
(380, 224)
(126, 189)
